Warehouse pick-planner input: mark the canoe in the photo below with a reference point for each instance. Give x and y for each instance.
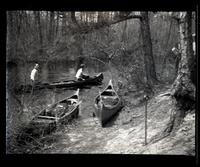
(62, 112)
(103, 110)
(95, 80)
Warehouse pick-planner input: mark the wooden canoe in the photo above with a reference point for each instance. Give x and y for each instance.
(95, 80)
(59, 113)
(106, 111)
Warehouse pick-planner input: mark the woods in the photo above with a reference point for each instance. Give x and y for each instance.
(143, 52)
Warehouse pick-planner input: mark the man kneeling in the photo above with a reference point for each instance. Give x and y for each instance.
(79, 75)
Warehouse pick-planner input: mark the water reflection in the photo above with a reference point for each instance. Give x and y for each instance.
(63, 70)
(57, 70)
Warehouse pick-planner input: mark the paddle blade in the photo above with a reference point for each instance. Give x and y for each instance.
(77, 92)
(79, 103)
(110, 82)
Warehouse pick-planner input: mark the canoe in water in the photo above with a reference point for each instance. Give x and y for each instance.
(95, 80)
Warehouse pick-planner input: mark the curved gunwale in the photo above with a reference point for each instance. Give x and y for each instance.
(75, 105)
(64, 99)
(112, 90)
(96, 77)
(59, 84)
(105, 112)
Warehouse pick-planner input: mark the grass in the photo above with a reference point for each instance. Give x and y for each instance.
(124, 134)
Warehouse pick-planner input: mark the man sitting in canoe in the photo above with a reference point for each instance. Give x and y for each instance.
(79, 75)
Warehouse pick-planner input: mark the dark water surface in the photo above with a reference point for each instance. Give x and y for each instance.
(87, 128)
(61, 70)
(57, 70)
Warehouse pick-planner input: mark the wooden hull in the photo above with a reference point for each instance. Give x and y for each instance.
(90, 81)
(41, 126)
(96, 80)
(49, 119)
(105, 113)
(107, 104)
(41, 119)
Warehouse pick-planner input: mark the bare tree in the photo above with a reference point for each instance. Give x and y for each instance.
(183, 89)
(51, 27)
(147, 48)
(73, 18)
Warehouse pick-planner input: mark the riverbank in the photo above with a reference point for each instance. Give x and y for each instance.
(125, 133)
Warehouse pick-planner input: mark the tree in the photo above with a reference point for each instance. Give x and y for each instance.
(10, 35)
(57, 24)
(38, 27)
(147, 48)
(183, 90)
(73, 18)
(64, 19)
(51, 27)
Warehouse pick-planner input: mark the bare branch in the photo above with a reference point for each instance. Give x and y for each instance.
(88, 29)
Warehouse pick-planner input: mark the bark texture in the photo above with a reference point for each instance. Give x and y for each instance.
(183, 89)
(147, 48)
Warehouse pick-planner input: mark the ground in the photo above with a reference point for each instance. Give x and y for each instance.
(125, 133)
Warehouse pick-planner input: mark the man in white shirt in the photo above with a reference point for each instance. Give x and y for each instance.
(194, 43)
(34, 72)
(177, 53)
(79, 73)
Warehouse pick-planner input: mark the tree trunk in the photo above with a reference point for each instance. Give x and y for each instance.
(46, 27)
(10, 36)
(57, 25)
(40, 30)
(38, 27)
(73, 18)
(147, 48)
(64, 23)
(51, 27)
(123, 38)
(183, 89)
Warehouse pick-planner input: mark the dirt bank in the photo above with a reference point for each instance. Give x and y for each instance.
(125, 134)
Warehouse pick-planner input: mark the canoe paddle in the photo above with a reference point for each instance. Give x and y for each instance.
(146, 98)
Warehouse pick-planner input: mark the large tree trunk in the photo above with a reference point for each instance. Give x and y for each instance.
(74, 21)
(10, 35)
(57, 25)
(183, 89)
(51, 27)
(64, 23)
(38, 27)
(147, 48)
(40, 31)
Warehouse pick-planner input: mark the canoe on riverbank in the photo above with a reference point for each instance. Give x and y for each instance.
(48, 119)
(95, 80)
(107, 104)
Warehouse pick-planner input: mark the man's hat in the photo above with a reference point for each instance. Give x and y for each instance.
(36, 65)
(82, 65)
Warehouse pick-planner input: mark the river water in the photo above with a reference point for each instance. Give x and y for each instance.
(56, 71)
(123, 135)
(64, 70)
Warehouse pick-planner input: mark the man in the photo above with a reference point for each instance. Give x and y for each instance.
(34, 72)
(194, 43)
(79, 75)
(177, 54)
